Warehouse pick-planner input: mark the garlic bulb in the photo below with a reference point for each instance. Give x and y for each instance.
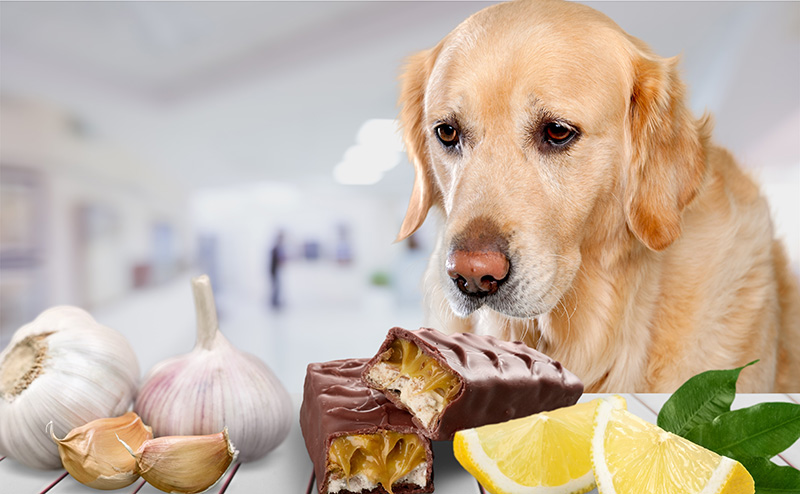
(93, 453)
(66, 368)
(216, 386)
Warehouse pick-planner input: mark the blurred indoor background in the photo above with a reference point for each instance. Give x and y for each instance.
(143, 143)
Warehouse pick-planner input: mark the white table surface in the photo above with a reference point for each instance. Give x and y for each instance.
(288, 468)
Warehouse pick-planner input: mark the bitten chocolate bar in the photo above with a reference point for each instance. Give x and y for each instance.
(459, 381)
(358, 440)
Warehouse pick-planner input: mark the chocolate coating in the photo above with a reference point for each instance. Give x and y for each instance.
(500, 380)
(336, 402)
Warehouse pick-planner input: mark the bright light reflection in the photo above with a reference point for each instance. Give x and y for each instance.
(377, 150)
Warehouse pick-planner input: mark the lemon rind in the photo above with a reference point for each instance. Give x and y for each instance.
(719, 476)
(491, 474)
(602, 475)
(617, 402)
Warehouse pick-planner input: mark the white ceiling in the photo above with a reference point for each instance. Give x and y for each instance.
(235, 92)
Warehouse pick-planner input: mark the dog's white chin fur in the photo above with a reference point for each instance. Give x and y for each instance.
(509, 301)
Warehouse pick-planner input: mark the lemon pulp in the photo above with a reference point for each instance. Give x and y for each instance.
(547, 452)
(631, 455)
(565, 458)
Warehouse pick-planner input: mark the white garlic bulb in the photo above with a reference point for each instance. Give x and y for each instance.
(66, 368)
(216, 386)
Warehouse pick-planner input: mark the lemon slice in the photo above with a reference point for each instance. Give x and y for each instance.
(631, 455)
(544, 453)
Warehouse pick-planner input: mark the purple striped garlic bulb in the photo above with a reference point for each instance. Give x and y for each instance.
(216, 386)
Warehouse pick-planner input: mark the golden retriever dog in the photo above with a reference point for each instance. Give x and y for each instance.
(585, 211)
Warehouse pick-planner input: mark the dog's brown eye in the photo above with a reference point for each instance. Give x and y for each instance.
(558, 134)
(447, 134)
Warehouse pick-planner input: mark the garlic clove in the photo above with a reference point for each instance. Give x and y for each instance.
(185, 464)
(93, 455)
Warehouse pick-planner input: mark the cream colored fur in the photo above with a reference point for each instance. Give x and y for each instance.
(643, 254)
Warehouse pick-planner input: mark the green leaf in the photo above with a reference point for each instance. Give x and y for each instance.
(771, 478)
(699, 400)
(759, 431)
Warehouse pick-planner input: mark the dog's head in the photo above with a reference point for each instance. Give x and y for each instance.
(538, 127)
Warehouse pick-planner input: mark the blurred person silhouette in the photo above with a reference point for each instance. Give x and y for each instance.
(277, 258)
(344, 251)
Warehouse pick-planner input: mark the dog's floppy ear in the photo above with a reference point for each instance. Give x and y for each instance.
(668, 159)
(412, 99)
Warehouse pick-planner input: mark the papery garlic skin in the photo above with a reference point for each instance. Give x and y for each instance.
(65, 368)
(216, 386)
(95, 456)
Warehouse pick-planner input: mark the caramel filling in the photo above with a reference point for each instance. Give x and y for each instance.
(414, 364)
(381, 458)
(423, 385)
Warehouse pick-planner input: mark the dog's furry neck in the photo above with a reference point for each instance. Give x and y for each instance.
(592, 334)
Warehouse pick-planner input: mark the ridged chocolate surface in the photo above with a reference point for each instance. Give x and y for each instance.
(500, 380)
(336, 402)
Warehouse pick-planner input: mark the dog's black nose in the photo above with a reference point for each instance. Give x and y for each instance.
(477, 273)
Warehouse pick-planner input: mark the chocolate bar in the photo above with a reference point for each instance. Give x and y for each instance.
(460, 381)
(358, 440)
